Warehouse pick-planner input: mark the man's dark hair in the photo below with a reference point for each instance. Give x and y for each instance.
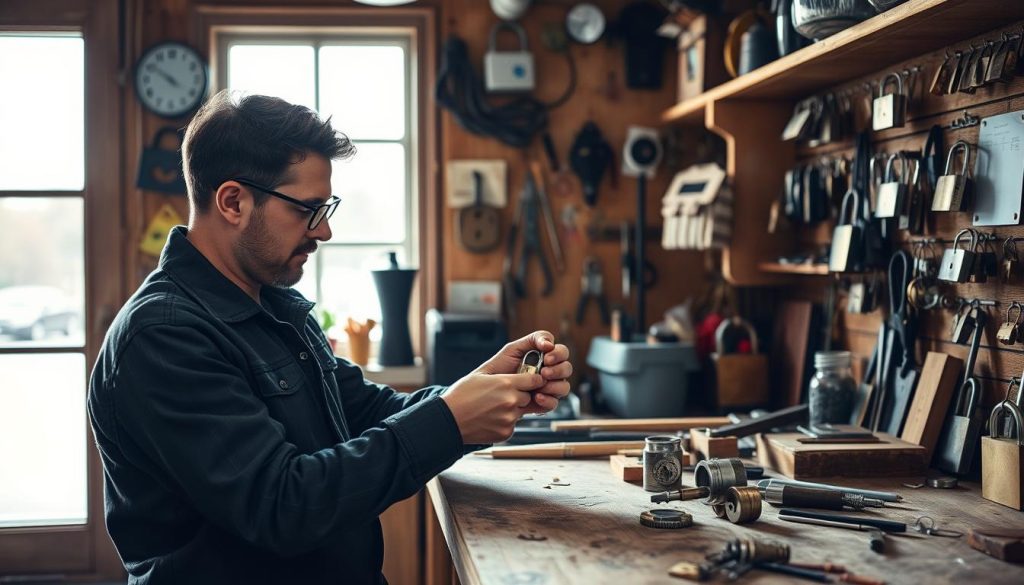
(258, 138)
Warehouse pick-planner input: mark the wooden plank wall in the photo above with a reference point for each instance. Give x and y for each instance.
(996, 363)
(681, 274)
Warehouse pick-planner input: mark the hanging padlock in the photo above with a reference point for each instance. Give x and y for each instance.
(1002, 459)
(957, 264)
(951, 189)
(1010, 260)
(889, 110)
(847, 248)
(892, 192)
(159, 167)
(508, 71)
(1009, 330)
(986, 263)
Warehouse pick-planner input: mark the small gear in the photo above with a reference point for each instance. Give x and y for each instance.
(664, 518)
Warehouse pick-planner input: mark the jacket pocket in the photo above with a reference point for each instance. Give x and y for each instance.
(281, 381)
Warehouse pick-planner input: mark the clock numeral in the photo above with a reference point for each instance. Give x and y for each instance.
(159, 57)
(192, 92)
(192, 66)
(172, 53)
(145, 79)
(149, 92)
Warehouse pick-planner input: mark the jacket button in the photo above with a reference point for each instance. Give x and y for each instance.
(283, 384)
(303, 356)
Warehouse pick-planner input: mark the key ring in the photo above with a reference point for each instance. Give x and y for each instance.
(926, 525)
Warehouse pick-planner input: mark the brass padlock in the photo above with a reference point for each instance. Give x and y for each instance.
(532, 362)
(892, 192)
(951, 189)
(1010, 260)
(1002, 459)
(958, 265)
(889, 110)
(847, 247)
(1009, 330)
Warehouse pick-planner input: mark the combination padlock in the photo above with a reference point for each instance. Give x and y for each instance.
(1010, 330)
(958, 265)
(889, 110)
(847, 248)
(951, 189)
(1010, 261)
(892, 192)
(508, 71)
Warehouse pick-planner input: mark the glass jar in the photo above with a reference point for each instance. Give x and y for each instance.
(832, 391)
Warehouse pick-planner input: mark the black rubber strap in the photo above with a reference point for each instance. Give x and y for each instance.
(933, 155)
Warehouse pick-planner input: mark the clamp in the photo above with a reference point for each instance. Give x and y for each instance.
(592, 287)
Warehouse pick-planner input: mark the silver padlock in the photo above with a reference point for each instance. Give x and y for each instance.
(892, 193)
(508, 71)
(951, 189)
(957, 264)
(847, 247)
(889, 110)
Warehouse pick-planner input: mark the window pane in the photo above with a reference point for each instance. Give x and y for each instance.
(285, 71)
(363, 89)
(42, 272)
(372, 187)
(348, 288)
(42, 130)
(42, 414)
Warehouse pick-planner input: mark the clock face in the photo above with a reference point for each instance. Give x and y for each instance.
(170, 79)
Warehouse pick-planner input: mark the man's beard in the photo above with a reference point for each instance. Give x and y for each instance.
(255, 255)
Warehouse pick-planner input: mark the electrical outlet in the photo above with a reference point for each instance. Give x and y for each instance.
(459, 182)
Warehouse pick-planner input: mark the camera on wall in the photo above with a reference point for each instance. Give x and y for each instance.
(641, 153)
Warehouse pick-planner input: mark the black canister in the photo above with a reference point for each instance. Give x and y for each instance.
(394, 287)
(663, 463)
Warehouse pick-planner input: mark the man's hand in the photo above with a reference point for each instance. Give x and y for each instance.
(487, 406)
(555, 372)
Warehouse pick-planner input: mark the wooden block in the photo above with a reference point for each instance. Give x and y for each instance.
(742, 380)
(1002, 471)
(1006, 544)
(892, 457)
(627, 468)
(940, 377)
(712, 447)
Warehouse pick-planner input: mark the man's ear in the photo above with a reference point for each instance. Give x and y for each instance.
(233, 203)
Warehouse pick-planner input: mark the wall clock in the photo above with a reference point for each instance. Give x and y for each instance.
(171, 79)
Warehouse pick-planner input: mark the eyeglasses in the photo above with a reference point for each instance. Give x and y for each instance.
(318, 213)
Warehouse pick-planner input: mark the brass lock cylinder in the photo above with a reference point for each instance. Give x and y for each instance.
(743, 505)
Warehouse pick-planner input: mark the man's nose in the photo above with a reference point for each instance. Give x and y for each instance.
(322, 232)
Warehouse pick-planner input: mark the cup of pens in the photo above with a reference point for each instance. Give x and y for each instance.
(359, 340)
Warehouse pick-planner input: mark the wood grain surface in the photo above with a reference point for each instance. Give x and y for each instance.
(506, 523)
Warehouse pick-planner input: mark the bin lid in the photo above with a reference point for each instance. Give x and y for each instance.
(618, 357)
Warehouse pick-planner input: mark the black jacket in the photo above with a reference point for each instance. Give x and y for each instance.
(237, 449)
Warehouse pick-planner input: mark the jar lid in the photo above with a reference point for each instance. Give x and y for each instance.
(831, 359)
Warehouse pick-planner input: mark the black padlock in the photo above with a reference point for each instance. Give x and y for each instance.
(160, 169)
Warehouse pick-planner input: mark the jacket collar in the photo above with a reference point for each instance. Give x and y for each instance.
(187, 266)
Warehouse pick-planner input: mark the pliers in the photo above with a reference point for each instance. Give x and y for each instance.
(531, 244)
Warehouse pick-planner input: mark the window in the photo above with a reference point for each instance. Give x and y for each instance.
(59, 258)
(361, 81)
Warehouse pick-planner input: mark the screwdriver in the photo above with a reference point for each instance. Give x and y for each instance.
(781, 494)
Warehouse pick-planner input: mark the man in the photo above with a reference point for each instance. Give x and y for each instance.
(236, 448)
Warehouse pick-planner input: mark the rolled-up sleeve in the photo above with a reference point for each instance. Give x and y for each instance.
(186, 409)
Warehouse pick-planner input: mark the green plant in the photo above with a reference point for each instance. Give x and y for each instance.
(326, 319)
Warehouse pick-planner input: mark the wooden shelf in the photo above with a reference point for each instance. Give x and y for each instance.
(807, 269)
(911, 29)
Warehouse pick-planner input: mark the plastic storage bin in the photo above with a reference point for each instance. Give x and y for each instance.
(639, 380)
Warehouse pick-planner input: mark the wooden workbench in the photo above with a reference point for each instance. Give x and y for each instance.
(569, 521)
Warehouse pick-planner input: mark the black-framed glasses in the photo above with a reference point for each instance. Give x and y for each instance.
(318, 213)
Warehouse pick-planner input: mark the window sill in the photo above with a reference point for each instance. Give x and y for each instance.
(397, 376)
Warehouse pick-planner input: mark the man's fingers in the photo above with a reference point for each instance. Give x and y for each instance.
(539, 340)
(541, 403)
(559, 354)
(558, 372)
(522, 381)
(556, 389)
(523, 399)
